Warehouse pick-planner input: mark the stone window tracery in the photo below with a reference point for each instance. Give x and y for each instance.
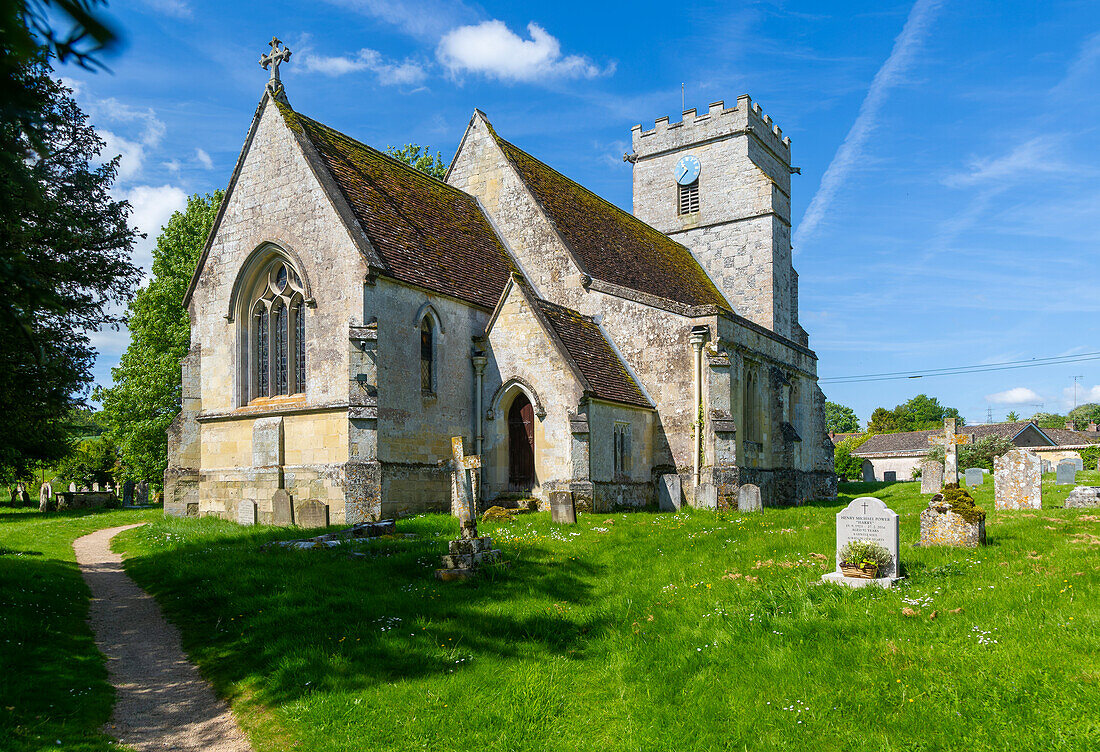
(277, 362)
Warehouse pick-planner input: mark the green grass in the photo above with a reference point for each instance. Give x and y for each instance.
(53, 684)
(651, 632)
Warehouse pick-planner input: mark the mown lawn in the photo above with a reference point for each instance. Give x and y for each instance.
(53, 684)
(647, 631)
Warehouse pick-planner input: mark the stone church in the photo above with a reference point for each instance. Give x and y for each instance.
(349, 315)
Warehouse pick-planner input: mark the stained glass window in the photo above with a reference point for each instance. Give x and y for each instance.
(278, 333)
(279, 313)
(260, 352)
(427, 356)
(299, 346)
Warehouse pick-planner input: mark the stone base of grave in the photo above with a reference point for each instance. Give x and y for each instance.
(858, 582)
(939, 526)
(1083, 497)
(465, 558)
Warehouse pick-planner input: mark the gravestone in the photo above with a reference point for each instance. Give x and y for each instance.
(1067, 473)
(246, 512)
(890, 476)
(1083, 497)
(931, 477)
(281, 508)
(311, 513)
(868, 472)
(470, 551)
(950, 442)
(141, 493)
(669, 498)
(1046, 466)
(128, 493)
(45, 498)
(974, 476)
(941, 526)
(24, 497)
(72, 487)
(706, 497)
(1017, 480)
(563, 510)
(868, 519)
(1078, 464)
(748, 498)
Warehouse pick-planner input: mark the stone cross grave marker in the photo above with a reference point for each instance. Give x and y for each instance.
(311, 513)
(931, 477)
(748, 498)
(464, 487)
(128, 493)
(272, 60)
(950, 442)
(1017, 480)
(868, 519)
(974, 476)
(281, 509)
(1067, 473)
(669, 497)
(246, 512)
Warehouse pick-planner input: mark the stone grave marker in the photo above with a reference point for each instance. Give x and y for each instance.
(1067, 473)
(281, 508)
(669, 496)
(868, 472)
(1046, 466)
(246, 512)
(868, 519)
(931, 477)
(706, 497)
(890, 476)
(563, 510)
(748, 498)
(72, 487)
(1078, 464)
(1083, 497)
(950, 442)
(311, 513)
(470, 551)
(1017, 480)
(128, 493)
(141, 492)
(940, 526)
(974, 476)
(45, 498)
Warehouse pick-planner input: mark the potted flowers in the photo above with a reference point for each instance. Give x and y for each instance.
(864, 559)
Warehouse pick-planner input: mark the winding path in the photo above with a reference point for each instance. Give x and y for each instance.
(162, 702)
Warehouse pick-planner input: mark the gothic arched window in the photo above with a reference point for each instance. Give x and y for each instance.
(427, 356)
(277, 331)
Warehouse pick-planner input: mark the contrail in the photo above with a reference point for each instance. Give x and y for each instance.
(891, 73)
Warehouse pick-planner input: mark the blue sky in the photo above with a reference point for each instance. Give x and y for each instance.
(948, 210)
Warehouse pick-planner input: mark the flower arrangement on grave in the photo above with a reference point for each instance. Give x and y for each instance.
(864, 559)
(961, 503)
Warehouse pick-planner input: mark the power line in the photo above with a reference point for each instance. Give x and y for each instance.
(957, 370)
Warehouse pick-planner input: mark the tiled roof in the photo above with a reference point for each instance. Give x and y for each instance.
(610, 244)
(426, 232)
(839, 437)
(916, 442)
(593, 355)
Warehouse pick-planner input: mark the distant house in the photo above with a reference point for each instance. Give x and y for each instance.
(900, 453)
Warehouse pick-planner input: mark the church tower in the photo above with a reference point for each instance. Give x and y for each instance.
(720, 184)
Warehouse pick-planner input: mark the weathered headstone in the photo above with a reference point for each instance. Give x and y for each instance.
(24, 497)
(1083, 497)
(563, 509)
(72, 487)
(706, 496)
(45, 498)
(931, 477)
(669, 498)
(941, 526)
(890, 476)
(868, 519)
(950, 442)
(1078, 464)
(141, 493)
(128, 493)
(868, 471)
(246, 512)
(748, 498)
(974, 476)
(1047, 467)
(282, 513)
(1067, 473)
(95, 487)
(311, 513)
(1017, 480)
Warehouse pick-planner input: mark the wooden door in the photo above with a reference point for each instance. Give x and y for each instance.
(521, 444)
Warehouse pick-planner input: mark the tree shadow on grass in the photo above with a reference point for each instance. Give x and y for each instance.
(289, 622)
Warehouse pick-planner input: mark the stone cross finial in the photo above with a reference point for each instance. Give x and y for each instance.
(271, 60)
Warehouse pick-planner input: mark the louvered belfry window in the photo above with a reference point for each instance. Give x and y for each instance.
(689, 198)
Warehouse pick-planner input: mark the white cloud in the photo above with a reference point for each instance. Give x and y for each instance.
(1020, 395)
(152, 207)
(389, 73)
(1026, 160)
(173, 165)
(132, 154)
(204, 159)
(420, 18)
(492, 49)
(175, 8)
(131, 148)
(850, 153)
(1084, 394)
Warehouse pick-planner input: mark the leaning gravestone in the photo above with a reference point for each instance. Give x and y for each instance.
(246, 512)
(1083, 497)
(311, 513)
(128, 493)
(867, 519)
(974, 476)
(563, 509)
(1067, 473)
(868, 472)
(45, 498)
(281, 508)
(931, 477)
(669, 498)
(748, 498)
(1017, 481)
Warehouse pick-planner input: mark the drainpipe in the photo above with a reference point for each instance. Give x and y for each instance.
(698, 337)
(479, 377)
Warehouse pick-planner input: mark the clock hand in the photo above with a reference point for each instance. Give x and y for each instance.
(684, 171)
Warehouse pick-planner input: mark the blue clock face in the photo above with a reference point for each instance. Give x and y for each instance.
(687, 170)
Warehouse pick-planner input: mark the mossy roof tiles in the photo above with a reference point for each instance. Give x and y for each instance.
(426, 232)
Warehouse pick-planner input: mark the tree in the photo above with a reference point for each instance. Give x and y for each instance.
(420, 158)
(840, 418)
(1012, 417)
(885, 421)
(65, 248)
(979, 454)
(1049, 420)
(845, 465)
(91, 461)
(921, 413)
(147, 391)
(1084, 414)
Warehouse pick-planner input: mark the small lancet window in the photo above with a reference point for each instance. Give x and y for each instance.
(277, 333)
(688, 198)
(427, 357)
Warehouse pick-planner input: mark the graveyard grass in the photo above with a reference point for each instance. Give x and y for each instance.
(54, 692)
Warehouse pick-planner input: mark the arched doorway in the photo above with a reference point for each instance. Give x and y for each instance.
(521, 444)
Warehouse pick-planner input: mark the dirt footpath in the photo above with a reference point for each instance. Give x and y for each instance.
(162, 702)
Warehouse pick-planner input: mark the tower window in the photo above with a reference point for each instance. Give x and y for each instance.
(688, 198)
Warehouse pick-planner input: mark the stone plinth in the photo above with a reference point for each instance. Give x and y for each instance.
(1083, 497)
(940, 526)
(1018, 480)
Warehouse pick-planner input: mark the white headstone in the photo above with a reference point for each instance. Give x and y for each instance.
(246, 512)
(748, 498)
(869, 519)
(669, 497)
